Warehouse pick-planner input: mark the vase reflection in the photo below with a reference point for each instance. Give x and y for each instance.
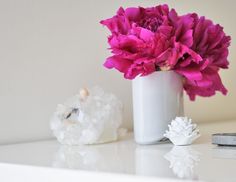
(149, 161)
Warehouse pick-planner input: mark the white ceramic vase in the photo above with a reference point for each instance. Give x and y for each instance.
(157, 99)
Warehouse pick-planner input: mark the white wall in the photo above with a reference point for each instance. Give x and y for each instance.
(51, 48)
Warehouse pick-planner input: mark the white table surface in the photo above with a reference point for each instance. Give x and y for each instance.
(123, 160)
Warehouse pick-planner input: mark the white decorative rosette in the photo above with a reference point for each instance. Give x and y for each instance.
(182, 131)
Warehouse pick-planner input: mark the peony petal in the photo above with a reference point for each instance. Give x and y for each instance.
(146, 34)
(187, 38)
(190, 73)
(132, 13)
(117, 62)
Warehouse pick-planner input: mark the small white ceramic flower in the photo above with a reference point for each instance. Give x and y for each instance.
(182, 131)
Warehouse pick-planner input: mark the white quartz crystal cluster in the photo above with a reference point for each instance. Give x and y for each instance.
(92, 116)
(182, 131)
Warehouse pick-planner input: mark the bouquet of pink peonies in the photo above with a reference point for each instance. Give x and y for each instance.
(145, 40)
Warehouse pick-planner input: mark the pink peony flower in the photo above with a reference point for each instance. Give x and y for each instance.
(144, 40)
(211, 43)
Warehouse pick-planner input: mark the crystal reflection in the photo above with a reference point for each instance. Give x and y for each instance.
(108, 157)
(182, 160)
(76, 158)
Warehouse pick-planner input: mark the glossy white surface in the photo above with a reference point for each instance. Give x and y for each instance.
(157, 99)
(200, 161)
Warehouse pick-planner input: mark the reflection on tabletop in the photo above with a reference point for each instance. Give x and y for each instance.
(224, 152)
(117, 158)
(127, 157)
(182, 161)
(167, 162)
